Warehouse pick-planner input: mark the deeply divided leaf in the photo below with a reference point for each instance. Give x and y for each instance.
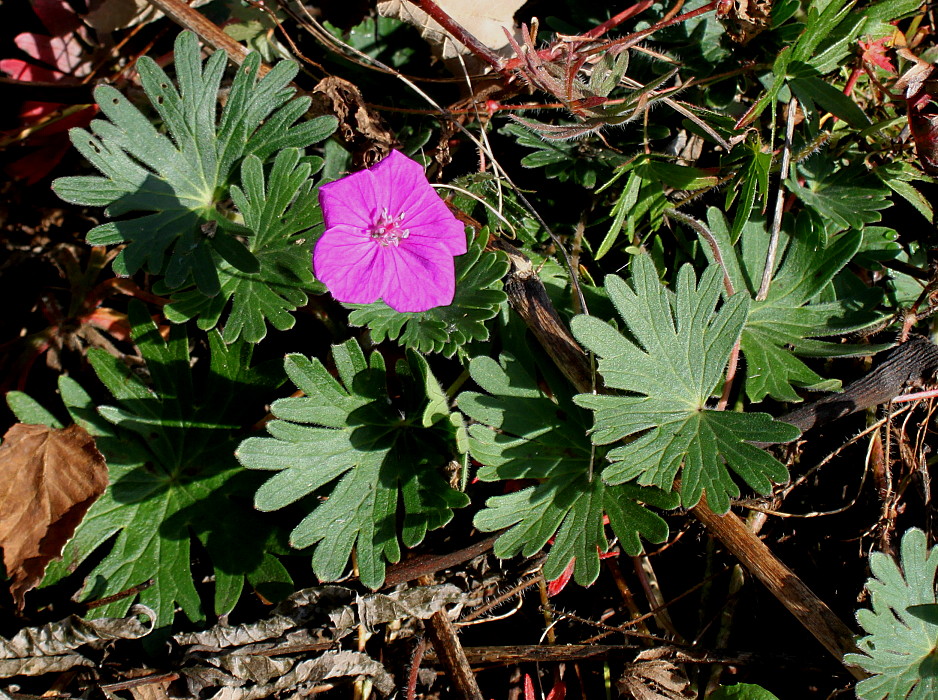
(168, 441)
(802, 303)
(523, 432)
(345, 440)
(669, 365)
(901, 636)
(173, 182)
(279, 215)
(445, 329)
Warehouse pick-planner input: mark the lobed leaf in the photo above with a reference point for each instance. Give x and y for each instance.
(280, 213)
(670, 364)
(525, 432)
(168, 444)
(183, 175)
(381, 452)
(899, 646)
(783, 325)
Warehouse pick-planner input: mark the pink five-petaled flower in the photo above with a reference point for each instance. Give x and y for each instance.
(389, 236)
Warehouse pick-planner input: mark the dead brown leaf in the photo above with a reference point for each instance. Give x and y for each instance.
(361, 127)
(654, 679)
(48, 480)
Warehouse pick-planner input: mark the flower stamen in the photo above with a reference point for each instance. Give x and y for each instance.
(387, 230)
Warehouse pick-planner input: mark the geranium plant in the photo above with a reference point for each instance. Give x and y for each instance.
(397, 356)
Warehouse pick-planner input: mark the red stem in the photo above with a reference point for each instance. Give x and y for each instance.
(633, 39)
(601, 29)
(459, 33)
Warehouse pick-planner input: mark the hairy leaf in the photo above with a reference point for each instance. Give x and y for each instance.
(380, 451)
(279, 213)
(670, 365)
(181, 176)
(523, 432)
(796, 310)
(850, 197)
(899, 648)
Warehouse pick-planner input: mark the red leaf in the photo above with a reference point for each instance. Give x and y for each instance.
(558, 692)
(57, 16)
(558, 584)
(528, 687)
(875, 52)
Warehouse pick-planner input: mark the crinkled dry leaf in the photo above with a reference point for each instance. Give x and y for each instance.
(54, 647)
(48, 480)
(656, 679)
(303, 675)
(360, 126)
(418, 603)
(315, 614)
(241, 661)
(486, 20)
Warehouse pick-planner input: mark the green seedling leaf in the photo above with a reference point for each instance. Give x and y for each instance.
(786, 323)
(900, 648)
(670, 365)
(524, 432)
(372, 453)
(182, 176)
(753, 179)
(445, 329)
(279, 214)
(168, 443)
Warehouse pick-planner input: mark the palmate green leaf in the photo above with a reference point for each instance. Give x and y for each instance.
(795, 312)
(900, 648)
(169, 447)
(181, 176)
(670, 366)
(445, 329)
(850, 197)
(280, 214)
(524, 433)
(381, 452)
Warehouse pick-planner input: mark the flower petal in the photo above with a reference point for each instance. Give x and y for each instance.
(450, 233)
(349, 263)
(418, 277)
(425, 214)
(350, 201)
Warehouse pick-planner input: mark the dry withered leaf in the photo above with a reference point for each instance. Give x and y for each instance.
(650, 678)
(48, 480)
(57, 646)
(744, 20)
(361, 127)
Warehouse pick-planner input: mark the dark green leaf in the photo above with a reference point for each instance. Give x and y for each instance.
(445, 329)
(168, 444)
(525, 433)
(784, 324)
(181, 176)
(280, 214)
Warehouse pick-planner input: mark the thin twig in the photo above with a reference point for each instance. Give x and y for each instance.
(779, 204)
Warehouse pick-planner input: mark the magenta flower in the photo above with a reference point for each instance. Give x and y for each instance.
(388, 236)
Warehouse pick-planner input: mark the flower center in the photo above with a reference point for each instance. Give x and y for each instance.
(388, 230)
